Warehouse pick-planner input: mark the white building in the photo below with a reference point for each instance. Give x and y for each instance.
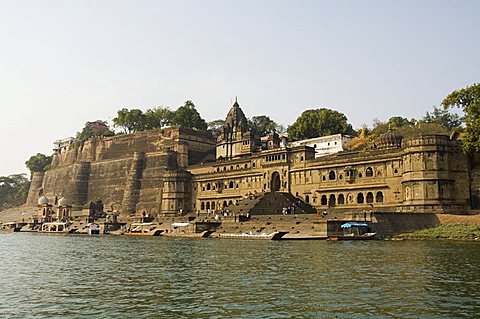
(325, 145)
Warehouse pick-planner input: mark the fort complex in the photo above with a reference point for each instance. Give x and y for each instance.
(168, 170)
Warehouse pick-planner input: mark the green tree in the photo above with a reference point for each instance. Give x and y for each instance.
(13, 190)
(320, 122)
(468, 99)
(262, 125)
(216, 127)
(398, 121)
(38, 163)
(95, 128)
(443, 117)
(130, 120)
(158, 117)
(188, 116)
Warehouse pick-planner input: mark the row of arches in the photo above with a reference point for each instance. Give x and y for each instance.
(206, 205)
(341, 199)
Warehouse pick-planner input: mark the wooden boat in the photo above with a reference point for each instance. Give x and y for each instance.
(265, 236)
(365, 236)
(31, 228)
(354, 231)
(89, 229)
(56, 228)
(10, 227)
(143, 229)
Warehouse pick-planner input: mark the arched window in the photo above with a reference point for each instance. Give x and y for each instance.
(224, 203)
(369, 172)
(369, 197)
(360, 175)
(379, 197)
(331, 201)
(323, 200)
(230, 185)
(323, 178)
(208, 186)
(331, 175)
(360, 198)
(341, 199)
(207, 205)
(230, 202)
(202, 206)
(307, 199)
(213, 205)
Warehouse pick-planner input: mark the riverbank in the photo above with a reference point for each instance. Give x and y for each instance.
(456, 227)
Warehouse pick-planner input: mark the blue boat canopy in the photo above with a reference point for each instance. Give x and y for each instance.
(354, 224)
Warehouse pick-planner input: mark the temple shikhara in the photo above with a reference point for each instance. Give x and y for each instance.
(171, 170)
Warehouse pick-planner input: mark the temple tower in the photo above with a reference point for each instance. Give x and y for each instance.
(236, 138)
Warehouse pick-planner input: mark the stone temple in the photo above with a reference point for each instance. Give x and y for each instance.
(168, 170)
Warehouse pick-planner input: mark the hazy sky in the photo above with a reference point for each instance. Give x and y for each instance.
(63, 63)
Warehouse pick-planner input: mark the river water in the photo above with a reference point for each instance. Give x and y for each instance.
(48, 276)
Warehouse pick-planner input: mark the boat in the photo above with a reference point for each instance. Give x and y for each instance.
(266, 236)
(31, 227)
(354, 231)
(56, 228)
(143, 229)
(89, 229)
(10, 227)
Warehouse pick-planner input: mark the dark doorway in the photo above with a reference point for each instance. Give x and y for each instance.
(275, 183)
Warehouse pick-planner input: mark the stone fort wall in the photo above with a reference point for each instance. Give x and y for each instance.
(126, 172)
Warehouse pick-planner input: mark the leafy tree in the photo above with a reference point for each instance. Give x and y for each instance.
(446, 119)
(158, 117)
(38, 163)
(13, 190)
(398, 121)
(95, 128)
(188, 116)
(262, 125)
(320, 122)
(130, 120)
(468, 99)
(216, 127)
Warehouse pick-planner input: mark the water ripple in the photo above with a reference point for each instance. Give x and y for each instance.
(119, 277)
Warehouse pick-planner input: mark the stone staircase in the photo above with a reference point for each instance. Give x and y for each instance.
(271, 203)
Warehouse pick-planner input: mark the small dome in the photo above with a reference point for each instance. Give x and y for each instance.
(43, 200)
(390, 139)
(63, 202)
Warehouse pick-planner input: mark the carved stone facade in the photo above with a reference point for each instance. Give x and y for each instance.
(169, 170)
(421, 174)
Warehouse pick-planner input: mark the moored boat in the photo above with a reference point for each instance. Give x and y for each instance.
(354, 231)
(265, 236)
(143, 229)
(56, 228)
(10, 227)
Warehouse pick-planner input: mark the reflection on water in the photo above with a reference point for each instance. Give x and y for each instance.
(117, 277)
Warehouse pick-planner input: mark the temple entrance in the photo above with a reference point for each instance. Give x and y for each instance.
(275, 182)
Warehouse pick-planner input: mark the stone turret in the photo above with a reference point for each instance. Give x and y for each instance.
(132, 187)
(435, 176)
(236, 138)
(36, 188)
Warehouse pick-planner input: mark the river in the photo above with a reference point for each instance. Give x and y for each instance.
(74, 276)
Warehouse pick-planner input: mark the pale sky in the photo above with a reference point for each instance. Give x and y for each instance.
(63, 63)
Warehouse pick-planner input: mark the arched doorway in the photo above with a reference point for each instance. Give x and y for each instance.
(275, 182)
